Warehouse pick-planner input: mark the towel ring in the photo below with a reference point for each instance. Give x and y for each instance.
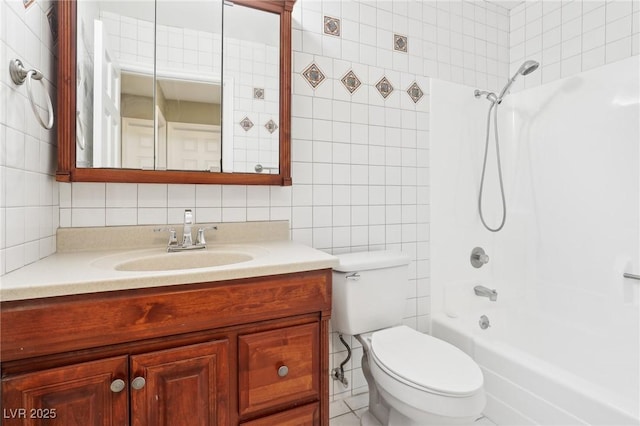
(19, 75)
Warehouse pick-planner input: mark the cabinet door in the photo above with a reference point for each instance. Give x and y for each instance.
(186, 386)
(308, 415)
(278, 367)
(75, 395)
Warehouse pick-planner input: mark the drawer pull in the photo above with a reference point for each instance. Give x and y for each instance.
(138, 383)
(117, 385)
(283, 371)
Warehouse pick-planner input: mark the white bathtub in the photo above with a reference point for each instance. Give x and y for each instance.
(540, 370)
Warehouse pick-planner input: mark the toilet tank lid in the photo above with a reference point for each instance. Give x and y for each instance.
(366, 260)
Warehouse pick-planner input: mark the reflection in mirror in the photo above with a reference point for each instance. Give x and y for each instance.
(149, 85)
(188, 84)
(251, 90)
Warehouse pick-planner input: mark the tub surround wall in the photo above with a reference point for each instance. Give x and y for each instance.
(458, 129)
(28, 191)
(569, 186)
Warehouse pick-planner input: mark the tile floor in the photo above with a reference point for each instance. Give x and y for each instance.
(347, 412)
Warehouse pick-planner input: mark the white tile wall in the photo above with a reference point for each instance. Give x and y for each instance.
(361, 162)
(118, 204)
(462, 41)
(28, 191)
(568, 37)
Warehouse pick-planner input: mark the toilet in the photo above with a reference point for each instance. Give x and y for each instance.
(414, 379)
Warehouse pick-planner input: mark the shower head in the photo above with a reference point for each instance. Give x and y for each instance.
(525, 69)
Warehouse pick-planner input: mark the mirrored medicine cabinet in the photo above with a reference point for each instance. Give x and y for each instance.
(174, 91)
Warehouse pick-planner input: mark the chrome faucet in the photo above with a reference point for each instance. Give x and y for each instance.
(486, 292)
(187, 238)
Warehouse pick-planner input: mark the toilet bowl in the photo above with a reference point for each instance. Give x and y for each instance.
(427, 380)
(414, 379)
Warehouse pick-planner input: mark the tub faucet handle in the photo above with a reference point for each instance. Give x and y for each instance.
(478, 257)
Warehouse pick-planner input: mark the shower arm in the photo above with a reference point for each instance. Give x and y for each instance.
(491, 97)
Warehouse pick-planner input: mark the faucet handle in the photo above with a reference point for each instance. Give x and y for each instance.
(173, 239)
(478, 257)
(200, 239)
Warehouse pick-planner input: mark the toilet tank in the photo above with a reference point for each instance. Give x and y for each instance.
(369, 291)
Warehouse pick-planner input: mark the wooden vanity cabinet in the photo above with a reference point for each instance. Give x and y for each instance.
(244, 352)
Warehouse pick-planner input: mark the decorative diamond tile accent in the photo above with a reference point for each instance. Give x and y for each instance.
(332, 26)
(271, 126)
(351, 81)
(258, 93)
(313, 75)
(415, 92)
(246, 124)
(399, 43)
(384, 87)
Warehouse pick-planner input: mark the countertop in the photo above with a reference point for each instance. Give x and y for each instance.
(90, 271)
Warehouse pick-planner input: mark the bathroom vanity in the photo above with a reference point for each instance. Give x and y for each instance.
(250, 350)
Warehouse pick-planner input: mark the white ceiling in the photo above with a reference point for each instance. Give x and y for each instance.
(507, 4)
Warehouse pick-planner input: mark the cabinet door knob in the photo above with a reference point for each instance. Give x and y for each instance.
(117, 385)
(283, 371)
(138, 383)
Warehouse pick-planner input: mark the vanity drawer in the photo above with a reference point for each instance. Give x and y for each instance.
(307, 415)
(278, 367)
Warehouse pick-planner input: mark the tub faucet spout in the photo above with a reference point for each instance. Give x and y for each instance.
(483, 291)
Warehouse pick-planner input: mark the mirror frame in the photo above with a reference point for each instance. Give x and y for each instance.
(66, 113)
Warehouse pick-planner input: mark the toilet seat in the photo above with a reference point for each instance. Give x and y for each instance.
(426, 363)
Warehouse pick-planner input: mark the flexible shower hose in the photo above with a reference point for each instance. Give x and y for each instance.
(484, 166)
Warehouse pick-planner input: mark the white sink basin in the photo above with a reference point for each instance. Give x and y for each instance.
(183, 260)
(159, 260)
